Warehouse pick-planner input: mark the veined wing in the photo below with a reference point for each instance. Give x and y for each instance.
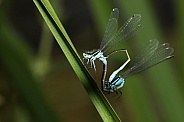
(147, 52)
(143, 56)
(130, 27)
(162, 53)
(111, 28)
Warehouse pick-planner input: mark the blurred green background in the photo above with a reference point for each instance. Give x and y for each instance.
(38, 84)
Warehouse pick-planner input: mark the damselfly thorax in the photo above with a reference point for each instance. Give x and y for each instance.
(91, 56)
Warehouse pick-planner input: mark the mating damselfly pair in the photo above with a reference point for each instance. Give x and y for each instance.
(151, 55)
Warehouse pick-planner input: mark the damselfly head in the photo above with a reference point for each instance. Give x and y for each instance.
(114, 85)
(107, 85)
(87, 55)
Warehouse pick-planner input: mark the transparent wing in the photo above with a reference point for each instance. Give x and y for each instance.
(143, 56)
(147, 52)
(130, 27)
(111, 28)
(143, 62)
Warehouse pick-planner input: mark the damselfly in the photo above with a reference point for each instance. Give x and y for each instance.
(112, 37)
(153, 54)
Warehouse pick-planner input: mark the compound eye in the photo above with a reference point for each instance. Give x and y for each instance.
(84, 54)
(106, 85)
(87, 56)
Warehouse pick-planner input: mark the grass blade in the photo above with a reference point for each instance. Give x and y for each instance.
(102, 105)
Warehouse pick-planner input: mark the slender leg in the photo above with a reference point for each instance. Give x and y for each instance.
(87, 61)
(93, 62)
(119, 95)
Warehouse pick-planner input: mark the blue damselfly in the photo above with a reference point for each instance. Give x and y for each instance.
(112, 37)
(153, 54)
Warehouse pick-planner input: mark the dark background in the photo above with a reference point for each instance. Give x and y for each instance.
(154, 95)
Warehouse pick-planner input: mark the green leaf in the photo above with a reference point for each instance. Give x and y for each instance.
(100, 102)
